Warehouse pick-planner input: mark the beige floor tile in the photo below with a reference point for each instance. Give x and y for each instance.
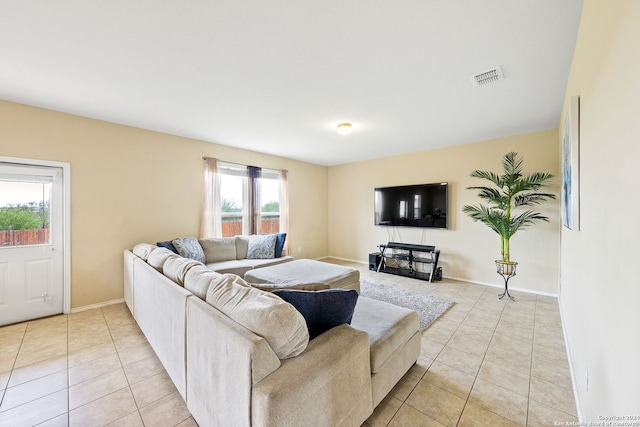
(510, 358)
(460, 360)
(35, 354)
(168, 411)
(543, 416)
(550, 355)
(429, 348)
(549, 341)
(555, 373)
(36, 411)
(90, 353)
(103, 411)
(500, 401)
(450, 379)
(143, 369)
(37, 370)
(408, 416)
(132, 420)
(96, 388)
(4, 379)
(59, 421)
(189, 422)
(476, 416)
(404, 387)
(136, 354)
(32, 390)
(511, 379)
(468, 345)
(439, 404)
(384, 412)
(553, 395)
(93, 369)
(475, 332)
(83, 340)
(152, 389)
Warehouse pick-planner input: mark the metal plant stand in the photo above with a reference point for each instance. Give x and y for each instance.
(507, 271)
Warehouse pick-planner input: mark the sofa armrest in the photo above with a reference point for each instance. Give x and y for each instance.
(223, 362)
(329, 384)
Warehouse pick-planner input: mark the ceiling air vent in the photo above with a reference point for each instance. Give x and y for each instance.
(487, 77)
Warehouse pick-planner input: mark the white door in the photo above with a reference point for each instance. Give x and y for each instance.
(31, 242)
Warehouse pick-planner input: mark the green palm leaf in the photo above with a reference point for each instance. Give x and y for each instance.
(510, 190)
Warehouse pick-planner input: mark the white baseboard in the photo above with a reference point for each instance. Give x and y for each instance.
(98, 305)
(571, 370)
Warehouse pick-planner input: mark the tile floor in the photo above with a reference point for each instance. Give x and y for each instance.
(486, 362)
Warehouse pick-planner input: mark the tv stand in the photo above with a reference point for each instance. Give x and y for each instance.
(405, 252)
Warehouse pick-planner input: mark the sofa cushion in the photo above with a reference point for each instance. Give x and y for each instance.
(262, 246)
(167, 244)
(259, 263)
(389, 327)
(263, 313)
(322, 310)
(218, 249)
(270, 287)
(176, 268)
(143, 250)
(242, 246)
(198, 279)
(189, 247)
(305, 271)
(159, 256)
(234, 267)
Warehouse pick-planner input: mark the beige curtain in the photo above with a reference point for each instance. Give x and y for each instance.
(284, 208)
(211, 225)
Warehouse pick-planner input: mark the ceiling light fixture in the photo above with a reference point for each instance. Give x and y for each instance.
(344, 128)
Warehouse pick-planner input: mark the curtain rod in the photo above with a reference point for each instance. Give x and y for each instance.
(240, 164)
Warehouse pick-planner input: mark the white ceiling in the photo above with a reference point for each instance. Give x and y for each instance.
(278, 76)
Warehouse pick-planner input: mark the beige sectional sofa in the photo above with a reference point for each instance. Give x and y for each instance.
(241, 356)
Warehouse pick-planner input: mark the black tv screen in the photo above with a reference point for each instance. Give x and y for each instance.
(420, 205)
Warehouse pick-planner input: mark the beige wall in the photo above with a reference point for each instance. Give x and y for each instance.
(600, 292)
(468, 249)
(131, 185)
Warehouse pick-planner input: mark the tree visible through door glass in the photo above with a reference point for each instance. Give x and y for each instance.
(24, 213)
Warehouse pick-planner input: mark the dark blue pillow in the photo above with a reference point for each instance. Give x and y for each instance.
(280, 237)
(168, 245)
(322, 310)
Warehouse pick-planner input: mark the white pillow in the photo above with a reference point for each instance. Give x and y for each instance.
(143, 250)
(262, 246)
(189, 247)
(159, 256)
(176, 268)
(261, 312)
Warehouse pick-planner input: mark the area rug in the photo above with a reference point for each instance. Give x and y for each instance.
(429, 307)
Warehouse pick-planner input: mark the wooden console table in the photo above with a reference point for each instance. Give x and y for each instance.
(405, 252)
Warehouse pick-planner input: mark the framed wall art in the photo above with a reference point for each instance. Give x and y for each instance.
(571, 166)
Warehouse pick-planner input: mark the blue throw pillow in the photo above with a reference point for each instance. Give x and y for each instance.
(322, 310)
(280, 237)
(167, 244)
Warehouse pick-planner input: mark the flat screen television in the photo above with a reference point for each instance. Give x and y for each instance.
(420, 205)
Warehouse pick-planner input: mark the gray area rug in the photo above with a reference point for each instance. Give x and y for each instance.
(429, 308)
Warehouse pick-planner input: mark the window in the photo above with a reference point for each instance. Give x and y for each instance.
(251, 200)
(24, 209)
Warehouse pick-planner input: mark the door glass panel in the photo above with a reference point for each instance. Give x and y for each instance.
(25, 213)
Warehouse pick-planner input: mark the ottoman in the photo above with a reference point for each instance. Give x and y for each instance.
(302, 271)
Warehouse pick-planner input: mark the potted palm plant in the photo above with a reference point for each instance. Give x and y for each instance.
(510, 191)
